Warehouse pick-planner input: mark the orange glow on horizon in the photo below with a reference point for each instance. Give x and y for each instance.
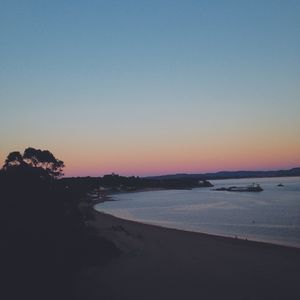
(186, 162)
(235, 152)
(189, 153)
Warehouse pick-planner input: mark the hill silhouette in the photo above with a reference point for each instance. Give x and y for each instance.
(230, 175)
(43, 234)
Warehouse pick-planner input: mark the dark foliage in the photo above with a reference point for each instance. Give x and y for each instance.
(44, 242)
(42, 161)
(133, 182)
(116, 183)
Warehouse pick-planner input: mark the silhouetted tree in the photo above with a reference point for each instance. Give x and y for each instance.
(44, 240)
(42, 160)
(13, 159)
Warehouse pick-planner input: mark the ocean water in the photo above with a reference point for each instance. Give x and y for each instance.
(272, 215)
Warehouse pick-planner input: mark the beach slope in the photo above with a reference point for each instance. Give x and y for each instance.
(159, 263)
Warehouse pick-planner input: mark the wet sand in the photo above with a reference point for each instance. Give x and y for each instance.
(160, 263)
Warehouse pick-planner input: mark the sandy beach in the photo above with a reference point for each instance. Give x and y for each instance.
(160, 263)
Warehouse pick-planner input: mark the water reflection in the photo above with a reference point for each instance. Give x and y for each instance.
(271, 215)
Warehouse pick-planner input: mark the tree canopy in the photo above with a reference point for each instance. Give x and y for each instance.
(41, 160)
(13, 159)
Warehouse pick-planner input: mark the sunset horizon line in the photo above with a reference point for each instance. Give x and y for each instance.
(157, 174)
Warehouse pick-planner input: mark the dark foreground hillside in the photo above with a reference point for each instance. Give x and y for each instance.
(44, 240)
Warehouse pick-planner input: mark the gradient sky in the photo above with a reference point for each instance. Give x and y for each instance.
(152, 87)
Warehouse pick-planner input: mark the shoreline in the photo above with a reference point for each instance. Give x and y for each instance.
(201, 233)
(162, 263)
(110, 197)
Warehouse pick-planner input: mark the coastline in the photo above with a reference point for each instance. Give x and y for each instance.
(235, 239)
(249, 238)
(163, 263)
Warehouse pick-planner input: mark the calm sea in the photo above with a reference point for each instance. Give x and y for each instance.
(272, 215)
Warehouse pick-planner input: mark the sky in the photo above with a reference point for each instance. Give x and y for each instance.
(152, 87)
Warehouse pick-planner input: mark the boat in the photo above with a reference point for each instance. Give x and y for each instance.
(254, 187)
(280, 184)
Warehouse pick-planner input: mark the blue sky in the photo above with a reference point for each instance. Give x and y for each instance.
(92, 78)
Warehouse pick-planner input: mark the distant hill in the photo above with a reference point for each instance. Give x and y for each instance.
(112, 183)
(230, 175)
